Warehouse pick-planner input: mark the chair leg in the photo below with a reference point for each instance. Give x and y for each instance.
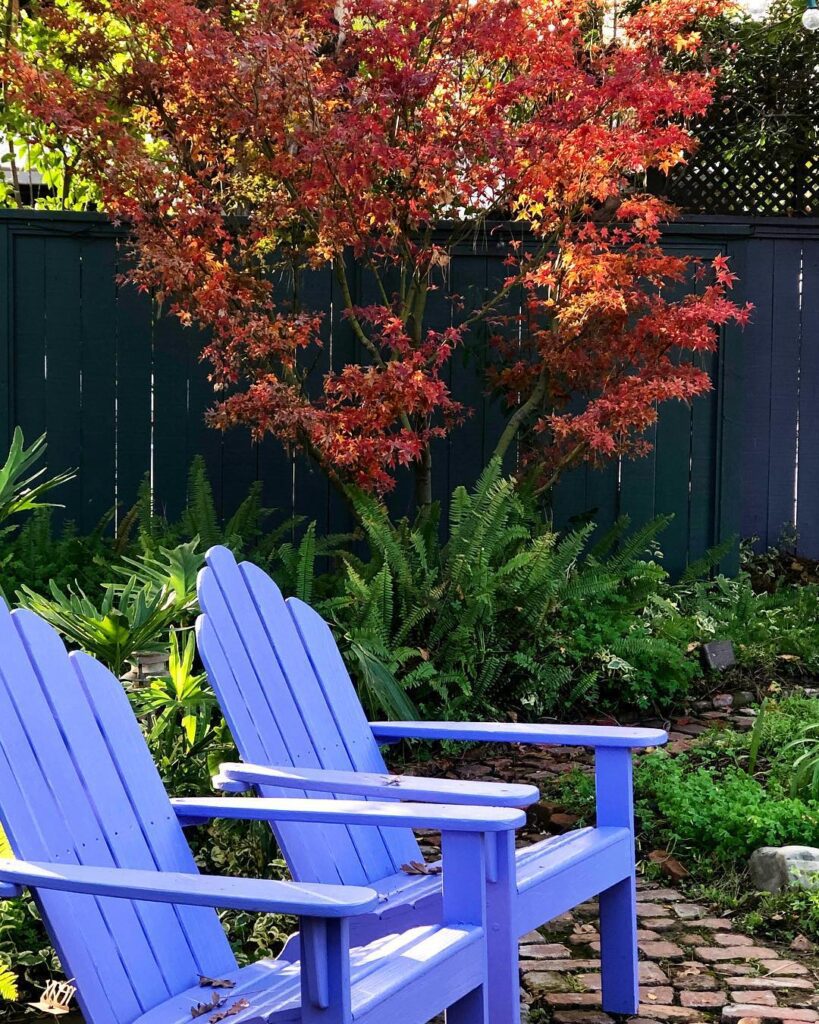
(618, 947)
(502, 937)
(325, 971)
(471, 1009)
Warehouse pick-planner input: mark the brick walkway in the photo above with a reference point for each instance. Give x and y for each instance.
(694, 967)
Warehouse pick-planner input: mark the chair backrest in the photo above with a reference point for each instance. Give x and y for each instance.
(78, 786)
(289, 701)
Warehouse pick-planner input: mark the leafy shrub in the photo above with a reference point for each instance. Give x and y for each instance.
(244, 532)
(782, 915)
(707, 805)
(177, 710)
(36, 555)
(22, 487)
(26, 955)
(725, 815)
(781, 750)
(126, 621)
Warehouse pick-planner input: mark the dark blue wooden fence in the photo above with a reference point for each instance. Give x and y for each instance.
(121, 392)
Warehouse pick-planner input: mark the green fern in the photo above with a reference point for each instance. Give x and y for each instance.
(200, 518)
(247, 523)
(495, 611)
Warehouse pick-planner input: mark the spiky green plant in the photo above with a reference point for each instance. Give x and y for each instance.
(127, 620)
(170, 571)
(22, 487)
(179, 703)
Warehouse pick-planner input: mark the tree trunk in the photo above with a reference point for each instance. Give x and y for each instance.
(423, 480)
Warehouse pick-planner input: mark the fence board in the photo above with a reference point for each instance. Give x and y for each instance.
(63, 353)
(171, 456)
(133, 390)
(672, 493)
(702, 493)
(29, 358)
(465, 454)
(439, 318)
(6, 337)
(784, 387)
(97, 455)
(758, 346)
(808, 478)
(202, 439)
(638, 482)
(729, 390)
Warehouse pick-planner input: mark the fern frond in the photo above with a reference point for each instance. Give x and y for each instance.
(247, 521)
(8, 985)
(306, 564)
(200, 517)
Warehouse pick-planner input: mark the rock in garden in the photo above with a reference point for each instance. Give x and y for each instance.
(774, 868)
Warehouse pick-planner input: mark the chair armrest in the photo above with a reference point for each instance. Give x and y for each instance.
(498, 732)
(442, 817)
(385, 787)
(193, 889)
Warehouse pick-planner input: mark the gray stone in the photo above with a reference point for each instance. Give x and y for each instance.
(774, 868)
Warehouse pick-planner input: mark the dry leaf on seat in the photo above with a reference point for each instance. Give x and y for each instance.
(237, 1007)
(202, 1008)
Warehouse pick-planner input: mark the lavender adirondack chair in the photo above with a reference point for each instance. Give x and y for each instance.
(300, 729)
(101, 847)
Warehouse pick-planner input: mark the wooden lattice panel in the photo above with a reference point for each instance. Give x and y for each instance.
(721, 178)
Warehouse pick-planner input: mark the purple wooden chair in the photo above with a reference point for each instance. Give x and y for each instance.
(300, 729)
(101, 847)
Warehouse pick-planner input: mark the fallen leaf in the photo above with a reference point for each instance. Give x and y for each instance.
(200, 1009)
(206, 982)
(237, 1007)
(417, 867)
(669, 865)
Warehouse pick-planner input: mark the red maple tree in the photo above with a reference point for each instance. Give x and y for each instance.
(243, 138)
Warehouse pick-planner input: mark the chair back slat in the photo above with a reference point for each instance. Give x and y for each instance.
(289, 701)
